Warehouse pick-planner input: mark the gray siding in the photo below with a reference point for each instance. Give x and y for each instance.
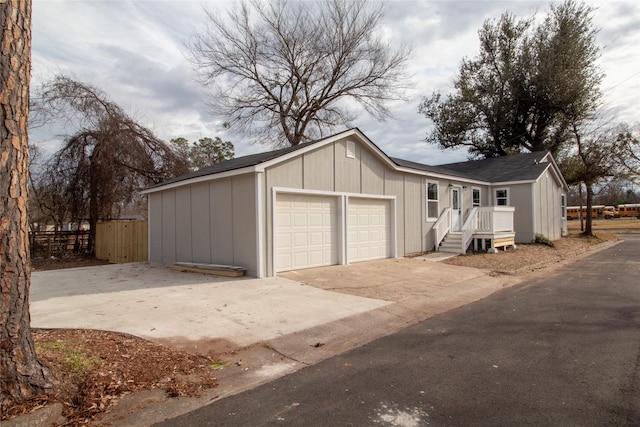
(221, 221)
(347, 170)
(201, 223)
(318, 169)
(521, 197)
(209, 222)
(413, 213)
(548, 221)
(168, 220)
(394, 186)
(245, 230)
(184, 225)
(372, 170)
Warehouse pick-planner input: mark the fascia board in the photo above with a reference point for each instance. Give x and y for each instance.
(440, 176)
(503, 183)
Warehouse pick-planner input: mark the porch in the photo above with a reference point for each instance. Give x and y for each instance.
(486, 228)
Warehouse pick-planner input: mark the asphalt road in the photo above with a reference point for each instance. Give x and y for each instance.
(560, 349)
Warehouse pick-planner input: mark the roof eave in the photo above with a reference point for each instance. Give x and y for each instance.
(203, 178)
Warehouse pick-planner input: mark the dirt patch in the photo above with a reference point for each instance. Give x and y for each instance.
(527, 257)
(66, 261)
(91, 370)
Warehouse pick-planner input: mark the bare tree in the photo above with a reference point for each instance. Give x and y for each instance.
(282, 71)
(592, 159)
(22, 376)
(104, 164)
(629, 151)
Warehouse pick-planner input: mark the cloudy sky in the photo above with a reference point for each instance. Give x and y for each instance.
(135, 52)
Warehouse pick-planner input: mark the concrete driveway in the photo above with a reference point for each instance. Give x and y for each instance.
(297, 320)
(211, 314)
(185, 310)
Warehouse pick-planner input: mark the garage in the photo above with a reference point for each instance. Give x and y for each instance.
(306, 232)
(368, 229)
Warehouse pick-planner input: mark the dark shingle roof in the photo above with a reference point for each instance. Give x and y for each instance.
(517, 167)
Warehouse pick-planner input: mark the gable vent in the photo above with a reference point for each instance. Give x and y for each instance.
(351, 149)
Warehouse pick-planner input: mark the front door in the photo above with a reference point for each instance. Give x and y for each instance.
(456, 208)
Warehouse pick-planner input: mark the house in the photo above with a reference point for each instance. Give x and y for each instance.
(341, 199)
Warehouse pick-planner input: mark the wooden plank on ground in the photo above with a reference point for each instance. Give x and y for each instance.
(215, 269)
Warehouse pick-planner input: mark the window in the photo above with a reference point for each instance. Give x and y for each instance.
(563, 204)
(432, 201)
(502, 197)
(476, 197)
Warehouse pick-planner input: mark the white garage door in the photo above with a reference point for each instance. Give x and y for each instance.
(306, 231)
(368, 229)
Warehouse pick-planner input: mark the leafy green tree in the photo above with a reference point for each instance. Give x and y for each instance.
(281, 70)
(524, 89)
(209, 151)
(204, 152)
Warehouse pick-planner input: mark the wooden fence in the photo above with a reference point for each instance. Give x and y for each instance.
(122, 241)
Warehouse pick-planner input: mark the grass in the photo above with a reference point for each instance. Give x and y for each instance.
(217, 365)
(72, 358)
(624, 225)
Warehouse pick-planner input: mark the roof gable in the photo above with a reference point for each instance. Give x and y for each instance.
(518, 167)
(235, 164)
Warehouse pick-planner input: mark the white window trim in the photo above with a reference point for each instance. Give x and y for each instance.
(427, 200)
(495, 194)
(563, 206)
(473, 204)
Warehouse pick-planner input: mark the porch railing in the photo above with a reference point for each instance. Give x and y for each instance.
(480, 220)
(494, 219)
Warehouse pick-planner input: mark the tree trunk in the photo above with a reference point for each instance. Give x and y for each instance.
(93, 201)
(588, 227)
(581, 216)
(21, 375)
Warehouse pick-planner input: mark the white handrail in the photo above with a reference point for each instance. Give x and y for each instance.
(442, 226)
(471, 219)
(468, 228)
